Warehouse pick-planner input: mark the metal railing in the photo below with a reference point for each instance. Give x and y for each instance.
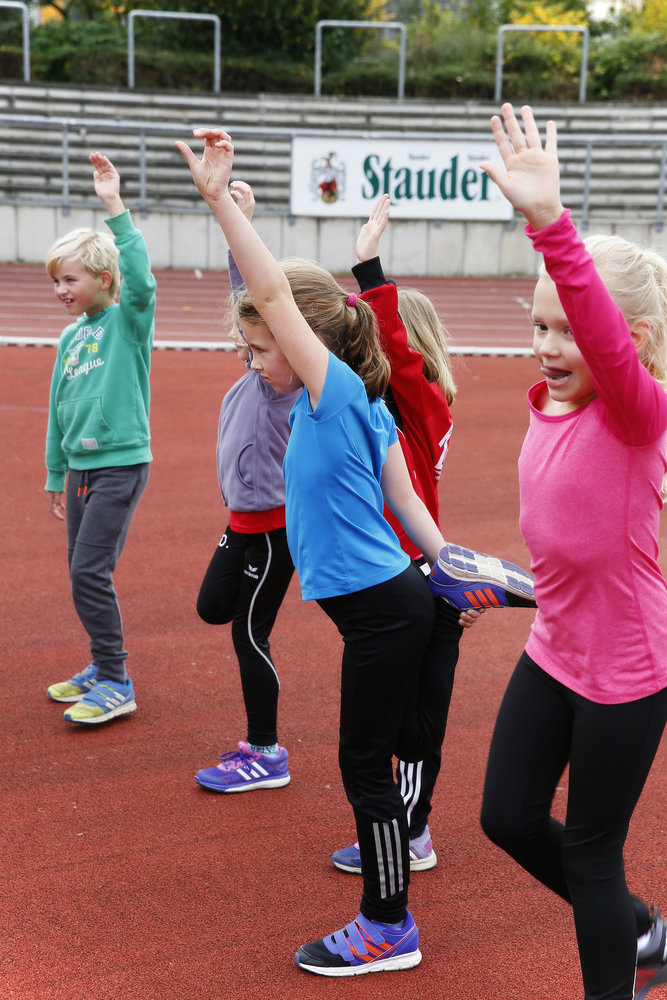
(173, 15)
(542, 27)
(23, 7)
(147, 201)
(377, 25)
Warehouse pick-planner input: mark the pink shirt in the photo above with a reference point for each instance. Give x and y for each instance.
(590, 484)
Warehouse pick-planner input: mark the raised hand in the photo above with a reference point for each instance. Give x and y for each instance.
(107, 183)
(530, 180)
(211, 173)
(368, 240)
(244, 197)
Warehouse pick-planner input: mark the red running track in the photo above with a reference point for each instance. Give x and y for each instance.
(485, 312)
(126, 881)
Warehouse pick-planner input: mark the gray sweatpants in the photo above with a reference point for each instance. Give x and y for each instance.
(100, 504)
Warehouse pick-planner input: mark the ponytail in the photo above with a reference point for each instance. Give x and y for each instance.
(345, 323)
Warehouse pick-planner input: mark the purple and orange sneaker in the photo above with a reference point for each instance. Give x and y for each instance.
(244, 769)
(362, 946)
(471, 580)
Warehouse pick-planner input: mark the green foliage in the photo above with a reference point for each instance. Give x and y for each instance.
(267, 46)
(650, 17)
(449, 57)
(558, 11)
(90, 51)
(543, 65)
(485, 14)
(258, 27)
(82, 10)
(630, 67)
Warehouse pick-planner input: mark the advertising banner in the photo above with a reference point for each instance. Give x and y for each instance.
(336, 177)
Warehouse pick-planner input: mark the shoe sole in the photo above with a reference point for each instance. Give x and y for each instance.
(416, 865)
(250, 787)
(107, 717)
(408, 961)
(485, 571)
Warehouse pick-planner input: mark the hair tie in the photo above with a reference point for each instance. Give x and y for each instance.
(351, 300)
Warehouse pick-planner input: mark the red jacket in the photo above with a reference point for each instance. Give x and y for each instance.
(422, 414)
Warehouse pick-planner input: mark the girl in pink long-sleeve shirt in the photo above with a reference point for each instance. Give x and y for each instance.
(590, 690)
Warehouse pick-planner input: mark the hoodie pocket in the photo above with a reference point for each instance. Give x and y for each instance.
(83, 426)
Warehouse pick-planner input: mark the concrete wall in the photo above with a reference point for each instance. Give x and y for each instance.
(194, 240)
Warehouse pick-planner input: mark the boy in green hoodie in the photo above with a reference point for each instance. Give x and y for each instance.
(98, 437)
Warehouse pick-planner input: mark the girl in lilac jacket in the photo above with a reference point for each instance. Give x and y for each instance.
(251, 568)
(590, 690)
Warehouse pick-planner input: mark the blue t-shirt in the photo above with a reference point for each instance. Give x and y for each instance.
(337, 535)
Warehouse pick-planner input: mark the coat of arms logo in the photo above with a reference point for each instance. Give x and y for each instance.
(327, 178)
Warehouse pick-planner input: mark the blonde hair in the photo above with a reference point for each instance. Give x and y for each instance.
(428, 337)
(636, 279)
(95, 251)
(349, 331)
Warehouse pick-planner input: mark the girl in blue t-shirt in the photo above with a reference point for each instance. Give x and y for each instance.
(343, 461)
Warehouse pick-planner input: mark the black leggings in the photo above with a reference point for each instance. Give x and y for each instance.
(245, 584)
(394, 701)
(542, 726)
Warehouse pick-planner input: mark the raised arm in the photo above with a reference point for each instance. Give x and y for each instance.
(530, 179)
(264, 279)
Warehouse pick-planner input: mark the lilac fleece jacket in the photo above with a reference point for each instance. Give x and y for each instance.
(253, 431)
(590, 485)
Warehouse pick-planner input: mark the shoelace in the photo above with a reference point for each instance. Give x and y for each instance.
(234, 759)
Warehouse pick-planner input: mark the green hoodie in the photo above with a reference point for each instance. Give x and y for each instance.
(100, 391)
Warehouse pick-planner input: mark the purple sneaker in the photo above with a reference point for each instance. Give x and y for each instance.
(467, 579)
(363, 946)
(243, 770)
(422, 856)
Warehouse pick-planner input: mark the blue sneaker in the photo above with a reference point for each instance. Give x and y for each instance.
(75, 688)
(106, 700)
(244, 769)
(472, 580)
(651, 956)
(363, 946)
(422, 856)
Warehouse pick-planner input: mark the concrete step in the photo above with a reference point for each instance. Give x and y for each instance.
(300, 111)
(626, 177)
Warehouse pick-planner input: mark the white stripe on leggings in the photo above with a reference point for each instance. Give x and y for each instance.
(411, 784)
(391, 870)
(252, 605)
